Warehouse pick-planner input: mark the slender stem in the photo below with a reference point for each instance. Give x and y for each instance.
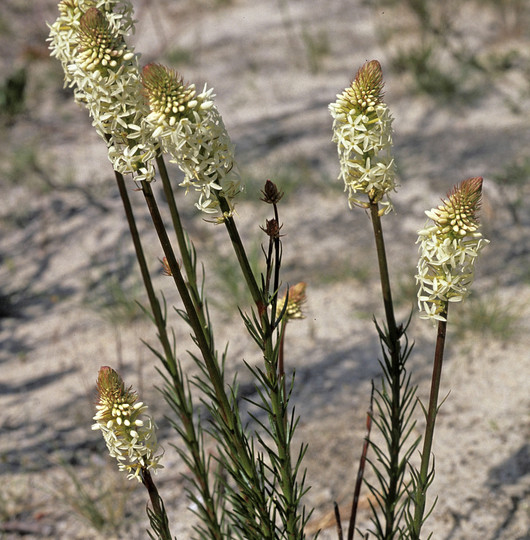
(146, 277)
(278, 259)
(281, 366)
(184, 403)
(338, 521)
(242, 257)
(187, 261)
(360, 472)
(156, 502)
(423, 481)
(384, 274)
(395, 371)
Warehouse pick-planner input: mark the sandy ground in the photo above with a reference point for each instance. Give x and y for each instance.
(64, 246)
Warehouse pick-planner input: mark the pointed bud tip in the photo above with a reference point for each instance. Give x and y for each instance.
(369, 80)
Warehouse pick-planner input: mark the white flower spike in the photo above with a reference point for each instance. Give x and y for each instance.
(191, 130)
(448, 250)
(129, 433)
(362, 129)
(88, 38)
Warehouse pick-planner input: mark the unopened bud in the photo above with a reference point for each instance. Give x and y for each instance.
(272, 228)
(296, 298)
(271, 193)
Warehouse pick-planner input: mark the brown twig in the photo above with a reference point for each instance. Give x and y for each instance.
(338, 520)
(360, 472)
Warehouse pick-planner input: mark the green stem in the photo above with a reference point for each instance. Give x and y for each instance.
(424, 476)
(185, 406)
(162, 525)
(242, 256)
(281, 365)
(393, 491)
(360, 472)
(275, 388)
(237, 443)
(384, 274)
(187, 260)
(146, 277)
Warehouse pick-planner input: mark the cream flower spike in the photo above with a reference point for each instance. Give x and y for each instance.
(362, 129)
(127, 430)
(64, 31)
(191, 130)
(88, 38)
(448, 250)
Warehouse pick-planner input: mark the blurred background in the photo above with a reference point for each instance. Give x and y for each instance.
(458, 84)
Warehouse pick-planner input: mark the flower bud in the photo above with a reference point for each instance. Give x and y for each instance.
(169, 98)
(296, 298)
(272, 228)
(271, 193)
(99, 47)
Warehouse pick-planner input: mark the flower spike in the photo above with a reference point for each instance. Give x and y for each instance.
(88, 38)
(362, 129)
(296, 298)
(448, 249)
(129, 433)
(191, 130)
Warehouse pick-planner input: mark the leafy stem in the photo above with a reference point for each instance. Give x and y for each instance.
(231, 435)
(175, 394)
(393, 402)
(274, 398)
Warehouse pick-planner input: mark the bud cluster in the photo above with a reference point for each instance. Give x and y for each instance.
(99, 47)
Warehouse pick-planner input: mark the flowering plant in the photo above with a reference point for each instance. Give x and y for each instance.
(254, 488)
(362, 129)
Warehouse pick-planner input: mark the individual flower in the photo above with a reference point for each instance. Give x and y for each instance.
(448, 250)
(89, 39)
(362, 129)
(296, 298)
(127, 430)
(192, 131)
